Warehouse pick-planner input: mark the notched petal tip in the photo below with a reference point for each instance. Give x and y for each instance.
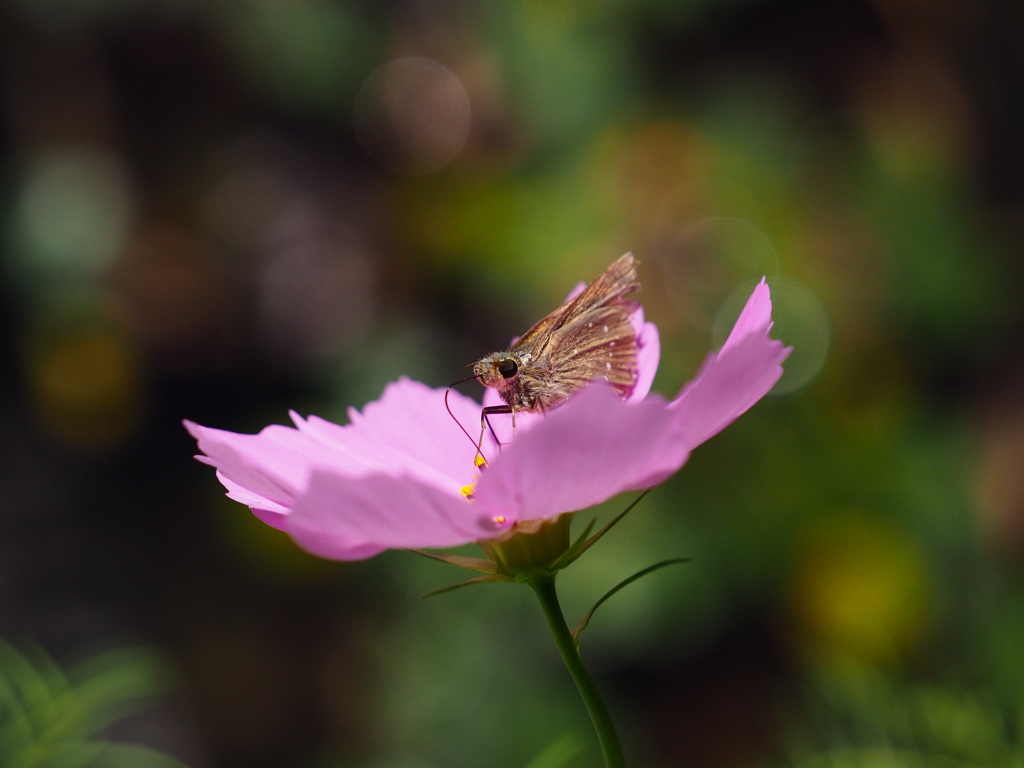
(736, 377)
(755, 317)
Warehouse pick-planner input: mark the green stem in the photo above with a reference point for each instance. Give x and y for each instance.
(610, 747)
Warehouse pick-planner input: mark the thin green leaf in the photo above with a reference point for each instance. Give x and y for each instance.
(62, 754)
(639, 574)
(15, 722)
(574, 552)
(113, 755)
(559, 753)
(114, 683)
(43, 693)
(93, 754)
(575, 549)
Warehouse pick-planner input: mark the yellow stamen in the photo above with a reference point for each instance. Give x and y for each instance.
(469, 491)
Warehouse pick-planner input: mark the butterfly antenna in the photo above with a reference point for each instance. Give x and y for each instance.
(477, 445)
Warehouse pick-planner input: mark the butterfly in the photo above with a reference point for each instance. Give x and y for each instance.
(589, 338)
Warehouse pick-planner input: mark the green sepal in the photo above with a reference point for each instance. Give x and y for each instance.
(529, 554)
(478, 564)
(568, 557)
(585, 621)
(453, 587)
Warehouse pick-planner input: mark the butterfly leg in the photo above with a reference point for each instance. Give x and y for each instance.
(485, 424)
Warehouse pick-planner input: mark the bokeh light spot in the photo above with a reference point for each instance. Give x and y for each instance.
(85, 381)
(412, 115)
(709, 254)
(861, 588)
(242, 204)
(73, 212)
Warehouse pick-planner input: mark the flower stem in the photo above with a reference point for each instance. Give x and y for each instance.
(544, 587)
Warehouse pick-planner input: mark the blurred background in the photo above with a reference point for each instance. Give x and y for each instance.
(224, 209)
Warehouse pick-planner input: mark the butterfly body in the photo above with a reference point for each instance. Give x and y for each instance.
(589, 338)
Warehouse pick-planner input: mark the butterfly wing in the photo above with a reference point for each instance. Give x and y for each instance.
(588, 338)
(614, 284)
(600, 346)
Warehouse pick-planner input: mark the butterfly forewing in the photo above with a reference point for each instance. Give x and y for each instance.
(616, 282)
(600, 345)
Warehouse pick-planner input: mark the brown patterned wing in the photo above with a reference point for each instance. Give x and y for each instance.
(589, 338)
(612, 286)
(598, 346)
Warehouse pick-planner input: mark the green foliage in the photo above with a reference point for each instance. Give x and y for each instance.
(54, 718)
(866, 719)
(559, 754)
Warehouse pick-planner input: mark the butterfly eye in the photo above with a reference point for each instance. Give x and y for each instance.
(508, 368)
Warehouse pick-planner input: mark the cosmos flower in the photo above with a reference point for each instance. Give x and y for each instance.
(402, 474)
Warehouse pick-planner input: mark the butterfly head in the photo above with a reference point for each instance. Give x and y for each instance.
(498, 370)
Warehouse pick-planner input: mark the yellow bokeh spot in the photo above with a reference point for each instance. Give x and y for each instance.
(861, 588)
(85, 384)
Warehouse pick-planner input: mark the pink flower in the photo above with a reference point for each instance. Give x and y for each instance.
(397, 476)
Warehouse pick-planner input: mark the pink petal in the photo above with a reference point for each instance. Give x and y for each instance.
(733, 379)
(272, 465)
(576, 291)
(271, 513)
(346, 518)
(756, 317)
(407, 431)
(648, 355)
(588, 450)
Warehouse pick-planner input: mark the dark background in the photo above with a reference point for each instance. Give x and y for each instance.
(223, 210)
